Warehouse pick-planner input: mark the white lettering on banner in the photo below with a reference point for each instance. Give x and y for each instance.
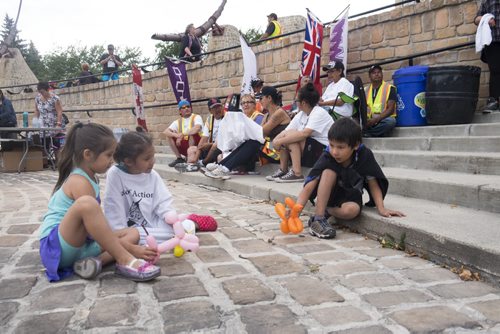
(179, 85)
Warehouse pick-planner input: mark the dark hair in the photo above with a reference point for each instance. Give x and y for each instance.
(345, 130)
(273, 93)
(94, 137)
(132, 144)
(43, 85)
(309, 94)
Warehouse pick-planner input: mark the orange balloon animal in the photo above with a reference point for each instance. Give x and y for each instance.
(291, 224)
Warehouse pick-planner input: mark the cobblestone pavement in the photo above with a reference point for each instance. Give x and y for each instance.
(247, 276)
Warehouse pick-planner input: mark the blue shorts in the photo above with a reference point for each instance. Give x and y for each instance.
(58, 256)
(107, 77)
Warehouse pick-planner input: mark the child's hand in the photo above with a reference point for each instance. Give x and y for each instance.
(145, 253)
(390, 213)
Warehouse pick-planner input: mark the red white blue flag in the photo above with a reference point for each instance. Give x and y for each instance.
(138, 97)
(311, 55)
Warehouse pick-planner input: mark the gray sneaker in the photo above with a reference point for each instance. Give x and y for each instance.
(321, 228)
(491, 106)
(290, 177)
(277, 174)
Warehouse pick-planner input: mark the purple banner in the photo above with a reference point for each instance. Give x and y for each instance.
(338, 40)
(178, 80)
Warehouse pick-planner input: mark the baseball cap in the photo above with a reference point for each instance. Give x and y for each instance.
(213, 102)
(374, 67)
(256, 82)
(183, 103)
(273, 15)
(335, 64)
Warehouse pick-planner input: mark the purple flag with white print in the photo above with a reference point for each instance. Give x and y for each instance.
(178, 80)
(338, 39)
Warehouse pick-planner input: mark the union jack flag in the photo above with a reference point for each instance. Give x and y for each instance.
(311, 55)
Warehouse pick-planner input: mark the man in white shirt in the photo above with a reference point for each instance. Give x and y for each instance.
(183, 132)
(338, 84)
(207, 148)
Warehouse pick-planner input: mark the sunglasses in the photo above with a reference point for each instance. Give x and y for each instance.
(184, 107)
(247, 102)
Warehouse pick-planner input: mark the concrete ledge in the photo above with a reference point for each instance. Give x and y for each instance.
(452, 144)
(446, 234)
(491, 129)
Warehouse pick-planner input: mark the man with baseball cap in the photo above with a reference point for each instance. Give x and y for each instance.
(207, 148)
(273, 27)
(110, 64)
(183, 133)
(381, 105)
(338, 84)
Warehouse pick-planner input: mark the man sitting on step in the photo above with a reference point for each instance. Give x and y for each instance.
(381, 105)
(184, 132)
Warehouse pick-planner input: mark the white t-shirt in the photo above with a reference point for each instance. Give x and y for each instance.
(138, 198)
(319, 121)
(185, 123)
(333, 89)
(215, 129)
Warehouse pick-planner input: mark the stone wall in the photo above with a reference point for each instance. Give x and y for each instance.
(402, 31)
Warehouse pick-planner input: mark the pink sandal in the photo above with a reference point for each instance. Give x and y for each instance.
(145, 272)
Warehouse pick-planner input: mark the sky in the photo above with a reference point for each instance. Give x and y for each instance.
(59, 23)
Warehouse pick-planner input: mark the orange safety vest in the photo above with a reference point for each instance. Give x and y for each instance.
(378, 106)
(180, 125)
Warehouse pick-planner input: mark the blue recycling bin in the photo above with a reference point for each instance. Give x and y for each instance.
(410, 107)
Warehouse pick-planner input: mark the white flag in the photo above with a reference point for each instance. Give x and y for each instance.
(249, 67)
(338, 40)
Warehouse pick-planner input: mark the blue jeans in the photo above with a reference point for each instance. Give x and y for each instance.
(382, 129)
(112, 76)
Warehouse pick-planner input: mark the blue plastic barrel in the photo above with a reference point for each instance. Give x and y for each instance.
(410, 83)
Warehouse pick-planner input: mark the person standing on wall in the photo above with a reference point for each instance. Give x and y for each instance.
(190, 45)
(492, 51)
(273, 27)
(110, 64)
(381, 105)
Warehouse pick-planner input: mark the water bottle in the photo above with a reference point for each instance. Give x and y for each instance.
(25, 119)
(35, 122)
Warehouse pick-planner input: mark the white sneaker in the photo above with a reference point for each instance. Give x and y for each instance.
(211, 166)
(221, 172)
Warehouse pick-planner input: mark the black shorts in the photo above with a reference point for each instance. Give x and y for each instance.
(340, 196)
(312, 151)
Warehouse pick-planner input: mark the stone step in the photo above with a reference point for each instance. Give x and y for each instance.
(486, 118)
(455, 144)
(447, 234)
(461, 162)
(481, 192)
(459, 130)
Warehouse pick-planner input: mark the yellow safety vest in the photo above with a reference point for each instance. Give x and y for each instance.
(209, 123)
(180, 125)
(277, 29)
(378, 106)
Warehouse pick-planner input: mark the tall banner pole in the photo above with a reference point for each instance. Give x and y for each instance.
(138, 97)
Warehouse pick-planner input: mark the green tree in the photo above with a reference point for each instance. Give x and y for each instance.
(35, 63)
(166, 49)
(252, 34)
(7, 26)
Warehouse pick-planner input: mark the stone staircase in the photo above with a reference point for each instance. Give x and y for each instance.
(445, 178)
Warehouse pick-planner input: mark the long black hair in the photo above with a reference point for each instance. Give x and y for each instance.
(94, 137)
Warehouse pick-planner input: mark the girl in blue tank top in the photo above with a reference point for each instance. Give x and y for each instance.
(74, 236)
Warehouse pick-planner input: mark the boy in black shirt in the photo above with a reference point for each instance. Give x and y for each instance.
(338, 177)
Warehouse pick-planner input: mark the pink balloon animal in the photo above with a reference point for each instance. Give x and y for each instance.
(181, 241)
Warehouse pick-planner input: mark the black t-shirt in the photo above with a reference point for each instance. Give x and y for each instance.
(106, 67)
(195, 46)
(87, 77)
(270, 28)
(392, 94)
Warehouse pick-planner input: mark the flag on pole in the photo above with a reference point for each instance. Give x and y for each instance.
(249, 67)
(338, 40)
(138, 97)
(178, 80)
(311, 55)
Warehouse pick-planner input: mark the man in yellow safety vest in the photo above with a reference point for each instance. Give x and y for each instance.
(273, 28)
(381, 105)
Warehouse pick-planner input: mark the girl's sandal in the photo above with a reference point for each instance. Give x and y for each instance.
(145, 272)
(88, 267)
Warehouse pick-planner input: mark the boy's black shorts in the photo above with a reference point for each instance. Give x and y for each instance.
(340, 196)
(312, 151)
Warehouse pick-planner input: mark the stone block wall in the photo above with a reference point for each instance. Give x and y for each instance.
(399, 32)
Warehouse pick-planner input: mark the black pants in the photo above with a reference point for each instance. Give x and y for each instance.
(492, 53)
(243, 156)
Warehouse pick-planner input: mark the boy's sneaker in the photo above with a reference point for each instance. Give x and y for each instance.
(491, 106)
(220, 172)
(277, 174)
(290, 177)
(321, 228)
(176, 161)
